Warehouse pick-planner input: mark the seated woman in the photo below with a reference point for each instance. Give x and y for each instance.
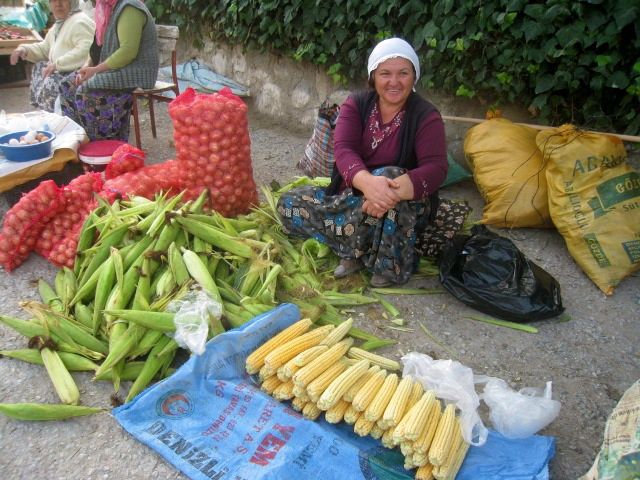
(390, 154)
(123, 57)
(63, 50)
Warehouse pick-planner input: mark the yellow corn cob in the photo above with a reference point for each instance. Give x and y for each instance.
(336, 413)
(420, 459)
(406, 448)
(355, 388)
(338, 333)
(362, 426)
(317, 387)
(298, 403)
(286, 371)
(255, 361)
(397, 405)
(387, 439)
(334, 392)
(313, 369)
(416, 394)
(443, 437)
(374, 358)
(416, 419)
(351, 415)
(423, 442)
(425, 472)
(311, 411)
(300, 392)
(449, 470)
(376, 432)
(408, 463)
(376, 408)
(369, 390)
(269, 385)
(266, 372)
(284, 391)
(440, 470)
(312, 353)
(283, 353)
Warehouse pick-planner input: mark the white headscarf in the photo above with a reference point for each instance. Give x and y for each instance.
(392, 48)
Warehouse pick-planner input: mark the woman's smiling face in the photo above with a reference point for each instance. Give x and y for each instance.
(393, 80)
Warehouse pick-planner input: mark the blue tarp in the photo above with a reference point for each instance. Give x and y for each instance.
(210, 420)
(201, 78)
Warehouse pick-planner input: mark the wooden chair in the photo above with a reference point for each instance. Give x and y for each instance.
(167, 40)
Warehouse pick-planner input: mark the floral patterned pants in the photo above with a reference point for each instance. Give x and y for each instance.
(104, 114)
(385, 245)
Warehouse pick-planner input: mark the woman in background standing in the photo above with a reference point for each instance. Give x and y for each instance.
(123, 57)
(63, 50)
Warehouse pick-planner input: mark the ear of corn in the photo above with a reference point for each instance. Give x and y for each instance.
(311, 411)
(284, 391)
(444, 436)
(298, 403)
(338, 387)
(375, 359)
(351, 415)
(451, 469)
(312, 353)
(256, 359)
(62, 380)
(425, 472)
(338, 333)
(377, 406)
(363, 426)
(425, 439)
(313, 369)
(41, 411)
(369, 390)
(270, 384)
(319, 385)
(377, 432)
(355, 388)
(416, 419)
(387, 438)
(443, 470)
(336, 413)
(282, 354)
(398, 404)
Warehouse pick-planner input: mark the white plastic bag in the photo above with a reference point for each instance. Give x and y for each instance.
(453, 382)
(518, 414)
(194, 313)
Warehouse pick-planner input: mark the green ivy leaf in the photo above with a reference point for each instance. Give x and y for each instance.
(544, 83)
(618, 80)
(603, 60)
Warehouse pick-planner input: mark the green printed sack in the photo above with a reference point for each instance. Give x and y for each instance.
(594, 200)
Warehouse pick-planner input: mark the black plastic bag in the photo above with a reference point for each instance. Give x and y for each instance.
(489, 273)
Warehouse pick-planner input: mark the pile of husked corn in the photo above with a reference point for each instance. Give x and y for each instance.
(319, 370)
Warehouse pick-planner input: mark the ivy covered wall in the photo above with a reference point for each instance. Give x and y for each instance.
(564, 61)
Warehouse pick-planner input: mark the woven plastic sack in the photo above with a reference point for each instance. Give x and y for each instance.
(509, 172)
(594, 199)
(318, 159)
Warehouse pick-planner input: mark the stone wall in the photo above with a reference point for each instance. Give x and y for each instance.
(290, 92)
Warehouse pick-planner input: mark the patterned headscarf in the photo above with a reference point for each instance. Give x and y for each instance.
(74, 8)
(392, 48)
(104, 9)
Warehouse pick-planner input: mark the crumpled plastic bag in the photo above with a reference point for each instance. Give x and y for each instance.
(518, 414)
(195, 313)
(451, 381)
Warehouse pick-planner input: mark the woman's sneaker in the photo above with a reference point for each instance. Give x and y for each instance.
(379, 281)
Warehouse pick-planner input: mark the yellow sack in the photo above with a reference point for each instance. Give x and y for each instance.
(594, 199)
(508, 170)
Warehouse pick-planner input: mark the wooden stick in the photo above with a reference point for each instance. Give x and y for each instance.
(627, 138)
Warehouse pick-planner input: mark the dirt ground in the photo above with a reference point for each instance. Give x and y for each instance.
(591, 359)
